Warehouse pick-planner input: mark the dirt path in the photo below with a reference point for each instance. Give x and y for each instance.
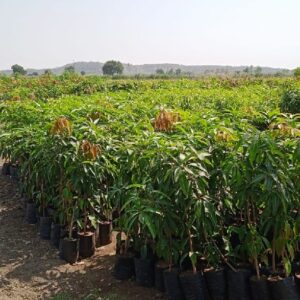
(30, 267)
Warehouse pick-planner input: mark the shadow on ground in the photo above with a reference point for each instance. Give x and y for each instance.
(31, 269)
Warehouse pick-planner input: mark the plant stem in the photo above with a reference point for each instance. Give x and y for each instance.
(248, 212)
(224, 258)
(257, 267)
(126, 244)
(85, 221)
(192, 250)
(273, 256)
(71, 224)
(253, 210)
(42, 200)
(170, 255)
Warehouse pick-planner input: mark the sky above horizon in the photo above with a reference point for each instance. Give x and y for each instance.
(51, 33)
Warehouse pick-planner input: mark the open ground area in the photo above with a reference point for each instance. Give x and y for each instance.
(30, 268)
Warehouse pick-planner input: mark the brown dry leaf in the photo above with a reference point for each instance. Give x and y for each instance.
(165, 120)
(89, 150)
(284, 129)
(61, 125)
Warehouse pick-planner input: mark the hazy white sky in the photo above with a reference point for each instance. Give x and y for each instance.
(49, 33)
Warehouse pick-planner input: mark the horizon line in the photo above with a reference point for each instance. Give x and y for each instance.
(145, 64)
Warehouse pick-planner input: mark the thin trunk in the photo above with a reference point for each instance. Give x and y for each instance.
(285, 270)
(170, 257)
(126, 243)
(253, 210)
(257, 267)
(248, 212)
(85, 221)
(61, 190)
(224, 258)
(192, 251)
(42, 200)
(273, 256)
(170, 263)
(71, 224)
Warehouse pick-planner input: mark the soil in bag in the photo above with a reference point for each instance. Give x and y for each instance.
(69, 250)
(124, 267)
(216, 283)
(87, 244)
(45, 227)
(259, 288)
(238, 284)
(5, 169)
(55, 234)
(297, 280)
(172, 284)
(283, 288)
(160, 267)
(30, 215)
(104, 234)
(144, 271)
(192, 285)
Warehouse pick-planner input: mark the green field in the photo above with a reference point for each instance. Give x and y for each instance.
(201, 171)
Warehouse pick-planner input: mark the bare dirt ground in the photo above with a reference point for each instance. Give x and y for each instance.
(31, 269)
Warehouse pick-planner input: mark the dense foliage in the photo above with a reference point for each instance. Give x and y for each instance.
(290, 101)
(112, 67)
(205, 168)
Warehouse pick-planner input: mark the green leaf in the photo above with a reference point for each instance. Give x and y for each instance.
(193, 258)
(287, 266)
(184, 185)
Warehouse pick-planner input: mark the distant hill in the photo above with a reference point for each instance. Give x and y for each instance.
(95, 68)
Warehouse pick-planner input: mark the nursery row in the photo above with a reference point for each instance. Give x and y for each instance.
(50, 229)
(204, 199)
(241, 94)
